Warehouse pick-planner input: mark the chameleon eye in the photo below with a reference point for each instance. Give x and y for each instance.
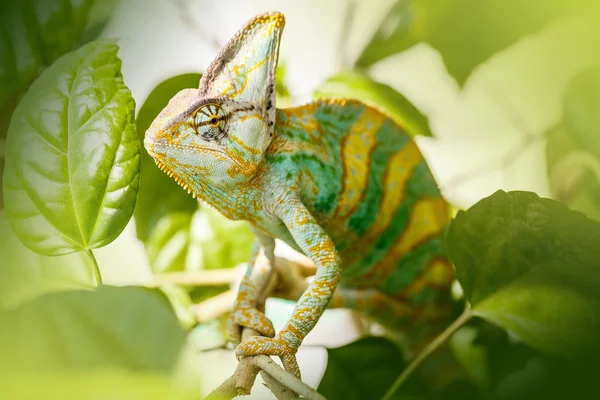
(209, 121)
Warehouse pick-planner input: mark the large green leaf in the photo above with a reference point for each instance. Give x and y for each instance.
(100, 384)
(358, 86)
(125, 327)
(25, 275)
(468, 32)
(532, 266)
(392, 36)
(160, 194)
(364, 369)
(72, 155)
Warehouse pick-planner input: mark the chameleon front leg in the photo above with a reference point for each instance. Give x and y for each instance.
(247, 306)
(317, 245)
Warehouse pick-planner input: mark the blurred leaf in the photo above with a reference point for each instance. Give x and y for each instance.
(573, 171)
(99, 384)
(183, 241)
(364, 369)
(72, 155)
(532, 266)
(392, 36)
(224, 243)
(468, 32)
(112, 326)
(160, 194)
(168, 244)
(358, 86)
(582, 110)
(181, 303)
(25, 275)
(35, 33)
(281, 89)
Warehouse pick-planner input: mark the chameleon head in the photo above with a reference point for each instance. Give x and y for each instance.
(216, 136)
(208, 141)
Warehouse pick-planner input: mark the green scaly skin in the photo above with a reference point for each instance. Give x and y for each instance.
(337, 180)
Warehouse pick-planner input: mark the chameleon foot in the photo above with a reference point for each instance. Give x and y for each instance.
(248, 317)
(277, 346)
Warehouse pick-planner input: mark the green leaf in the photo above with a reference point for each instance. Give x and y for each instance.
(125, 327)
(35, 33)
(72, 155)
(532, 266)
(469, 32)
(358, 86)
(99, 384)
(159, 193)
(582, 110)
(25, 275)
(361, 370)
(392, 36)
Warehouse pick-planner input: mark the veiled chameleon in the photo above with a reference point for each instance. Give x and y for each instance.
(335, 179)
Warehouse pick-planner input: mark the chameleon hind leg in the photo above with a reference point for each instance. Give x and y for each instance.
(315, 243)
(248, 308)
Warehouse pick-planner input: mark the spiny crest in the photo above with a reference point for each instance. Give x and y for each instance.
(245, 69)
(179, 180)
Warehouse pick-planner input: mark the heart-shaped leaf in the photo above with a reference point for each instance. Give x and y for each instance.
(532, 266)
(72, 155)
(358, 86)
(126, 327)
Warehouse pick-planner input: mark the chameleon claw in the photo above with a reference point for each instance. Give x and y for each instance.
(248, 317)
(277, 346)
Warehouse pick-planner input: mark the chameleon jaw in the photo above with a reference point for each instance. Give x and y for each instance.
(177, 179)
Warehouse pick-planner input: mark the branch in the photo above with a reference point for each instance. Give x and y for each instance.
(279, 381)
(214, 277)
(214, 307)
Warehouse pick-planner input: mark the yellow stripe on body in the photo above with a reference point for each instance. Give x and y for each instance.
(428, 218)
(356, 148)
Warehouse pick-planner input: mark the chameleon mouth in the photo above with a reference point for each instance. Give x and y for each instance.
(152, 146)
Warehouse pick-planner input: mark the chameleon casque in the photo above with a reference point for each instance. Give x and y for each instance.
(337, 180)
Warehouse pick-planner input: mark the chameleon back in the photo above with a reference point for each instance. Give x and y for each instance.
(366, 182)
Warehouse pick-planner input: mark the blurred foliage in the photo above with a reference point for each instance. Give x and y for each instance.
(25, 275)
(573, 147)
(359, 86)
(99, 384)
(72, 171)
(532, 266)
(465, 32)
(124, 327)
(351, 375)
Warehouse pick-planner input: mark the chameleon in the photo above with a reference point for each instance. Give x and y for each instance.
(336, 179)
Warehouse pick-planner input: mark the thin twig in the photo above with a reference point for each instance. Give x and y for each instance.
(431, 347)
(215, 277)
(242, 380)
(214, 307)
(95, 267)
